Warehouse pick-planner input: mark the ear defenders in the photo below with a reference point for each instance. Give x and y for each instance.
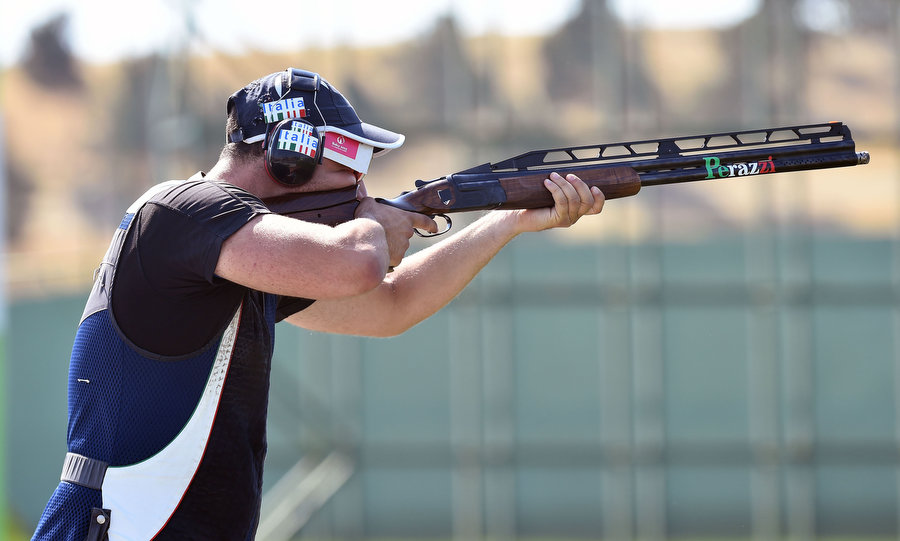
(293, 149)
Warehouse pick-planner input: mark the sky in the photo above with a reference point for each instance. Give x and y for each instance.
(107, 30)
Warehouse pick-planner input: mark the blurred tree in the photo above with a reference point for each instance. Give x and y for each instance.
(365, 106)
(126, 153)
(869, 15)
(19, 187)
(130, 129)
(841, 16)
(787, 45)
(569, 56)
(440, 76)
(593, 60)
(48, 59)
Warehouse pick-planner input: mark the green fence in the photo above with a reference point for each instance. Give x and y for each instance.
(735, 386)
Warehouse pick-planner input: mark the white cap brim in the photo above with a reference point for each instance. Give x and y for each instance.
(381, 139)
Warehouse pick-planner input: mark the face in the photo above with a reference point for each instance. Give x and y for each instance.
(330, 175)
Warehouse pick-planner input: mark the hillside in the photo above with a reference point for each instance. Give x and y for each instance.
(87, 152)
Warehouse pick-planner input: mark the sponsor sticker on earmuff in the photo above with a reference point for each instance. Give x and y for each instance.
(276, 111)
(299, 138)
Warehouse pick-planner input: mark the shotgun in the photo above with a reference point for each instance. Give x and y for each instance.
(618, 169)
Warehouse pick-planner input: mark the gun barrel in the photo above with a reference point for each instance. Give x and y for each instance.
(715, 168)
(862, 158)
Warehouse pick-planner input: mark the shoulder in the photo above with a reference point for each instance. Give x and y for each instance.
(210, 205)
(192, 195)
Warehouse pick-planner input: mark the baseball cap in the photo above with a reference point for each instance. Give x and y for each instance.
(296, 93)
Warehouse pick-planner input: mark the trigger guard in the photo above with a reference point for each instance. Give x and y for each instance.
(447, 228)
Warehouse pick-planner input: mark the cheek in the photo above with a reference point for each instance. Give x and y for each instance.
(330, 180)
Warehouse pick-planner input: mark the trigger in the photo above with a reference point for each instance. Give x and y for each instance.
(448, 225)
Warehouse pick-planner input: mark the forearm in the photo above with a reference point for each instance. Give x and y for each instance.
(420, 286)
(429, 279)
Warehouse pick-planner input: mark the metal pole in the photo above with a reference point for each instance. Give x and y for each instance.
(895, 245)
(794, 290)
(466, 414)
(762, 329)
(648, 350)
(3, 316)
(616, 371)
(499, 401)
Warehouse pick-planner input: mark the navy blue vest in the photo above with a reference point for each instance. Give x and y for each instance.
(184, 437)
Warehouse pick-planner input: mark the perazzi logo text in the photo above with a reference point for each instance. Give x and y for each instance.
(715, 169)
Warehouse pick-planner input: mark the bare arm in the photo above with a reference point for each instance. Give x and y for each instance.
(289, 257)
(426, 281)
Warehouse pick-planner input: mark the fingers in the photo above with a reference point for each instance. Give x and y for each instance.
(590, 196)
(397, 247)
(599, 199)
(423, 222)
(399, 226)
(572, 198)
(402, 230)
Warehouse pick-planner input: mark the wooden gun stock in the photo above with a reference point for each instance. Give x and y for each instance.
(614, 182)
(331, 207)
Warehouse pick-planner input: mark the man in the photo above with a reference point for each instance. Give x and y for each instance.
(168, 379)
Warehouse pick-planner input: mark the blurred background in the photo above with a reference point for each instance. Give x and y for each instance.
(709, 360)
